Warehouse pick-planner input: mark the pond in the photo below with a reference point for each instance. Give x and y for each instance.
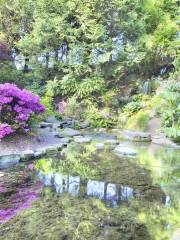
(84, 193)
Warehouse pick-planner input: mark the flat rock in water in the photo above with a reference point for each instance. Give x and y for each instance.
(69, 132)
(9, 160)
(65, 141)
(125, 150)
(135, 136)
(111, 142)
(82, 139)
(100, 146)
(45, 125)
(164, 141)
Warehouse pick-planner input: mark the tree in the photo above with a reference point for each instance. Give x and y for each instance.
(84, 38)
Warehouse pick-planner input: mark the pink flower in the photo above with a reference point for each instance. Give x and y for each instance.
(61, 107)
(16, 108)
(5, 130)
(31, 167)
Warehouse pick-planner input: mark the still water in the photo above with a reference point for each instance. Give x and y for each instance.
(89, 194)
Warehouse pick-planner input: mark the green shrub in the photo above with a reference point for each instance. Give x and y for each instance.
(47, 101)
(121, 119)
(131, 108)
(170, 108)
(71, 85)
(138, 121)
(99, 119)
(52, 88)
(173, 132)
(8, 73)
(110, 99)
(74, 108)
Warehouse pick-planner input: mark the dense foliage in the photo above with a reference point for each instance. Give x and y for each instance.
(93, 55)
(16, 109)
(170, 113)
(78, 41)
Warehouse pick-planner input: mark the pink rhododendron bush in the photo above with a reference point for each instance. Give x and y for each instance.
(16, 109)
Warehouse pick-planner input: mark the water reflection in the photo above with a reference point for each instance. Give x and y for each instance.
(96, 189)
(126, 193)
(147, 185)
(112, 194)
(67, 184)
(167, 200)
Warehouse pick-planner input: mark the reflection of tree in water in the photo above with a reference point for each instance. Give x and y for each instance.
(72, 218)
(112, 194)
(135, 209)
(163, 164)
(113, 179)
(120, 182)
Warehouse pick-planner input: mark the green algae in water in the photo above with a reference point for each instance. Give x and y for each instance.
(66, 217)
(97, 195)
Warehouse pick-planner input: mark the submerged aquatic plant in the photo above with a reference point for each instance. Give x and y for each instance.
(16, 108)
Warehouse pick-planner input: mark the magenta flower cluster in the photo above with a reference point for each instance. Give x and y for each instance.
(5, 130)
(16, 108)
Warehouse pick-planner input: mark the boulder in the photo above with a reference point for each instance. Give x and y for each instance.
(52, 119)
(135, 136)
(58, 135)
(27, 155)
(9, 160)
(50, 149)
(65, 141)
(125, 150)
(67, 123)
(84, 125)
(69, 132)
(39, 153)
(82, 139)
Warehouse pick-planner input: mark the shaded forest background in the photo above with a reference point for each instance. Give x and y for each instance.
(92, 54)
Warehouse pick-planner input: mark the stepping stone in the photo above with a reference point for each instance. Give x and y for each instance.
(27, 155)
(125, 150)
(135, 136)
(111, 142)
(52, 119)
(81, 139)
(84, 125)
(69, 132)
(1, 174)
(100, 146)
(9, 160)
(45, 125)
